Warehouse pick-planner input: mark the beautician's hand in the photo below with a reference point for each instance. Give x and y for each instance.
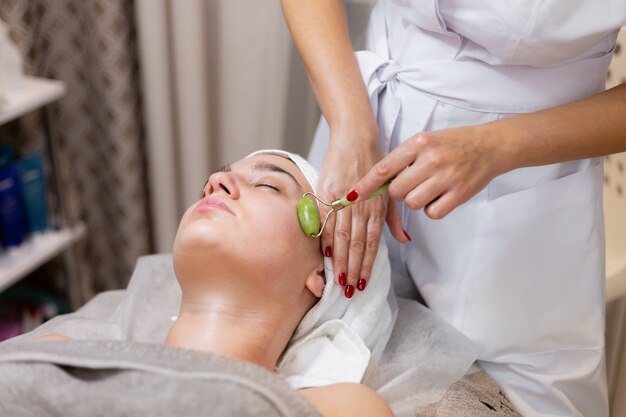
(437, 171)
(447, 167)
(320, 31)
(352, 235)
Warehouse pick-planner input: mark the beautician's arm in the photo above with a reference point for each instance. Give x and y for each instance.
(454, 164)
(320, 31)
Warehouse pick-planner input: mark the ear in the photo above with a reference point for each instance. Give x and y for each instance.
(315, 282)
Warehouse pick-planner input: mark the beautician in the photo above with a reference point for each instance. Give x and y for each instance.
(493, 122)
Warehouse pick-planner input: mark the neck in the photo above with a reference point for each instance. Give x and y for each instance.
(246, 333)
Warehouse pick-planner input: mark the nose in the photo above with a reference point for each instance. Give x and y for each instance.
(224, 182)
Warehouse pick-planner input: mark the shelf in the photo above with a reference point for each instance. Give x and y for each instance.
(36, 92)
(17, 262)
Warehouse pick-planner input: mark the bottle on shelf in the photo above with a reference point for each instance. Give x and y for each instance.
(12, 221)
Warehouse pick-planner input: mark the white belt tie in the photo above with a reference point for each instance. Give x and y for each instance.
(386, 71)
(382, 80)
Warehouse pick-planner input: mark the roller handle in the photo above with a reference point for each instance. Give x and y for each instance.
(343, 201)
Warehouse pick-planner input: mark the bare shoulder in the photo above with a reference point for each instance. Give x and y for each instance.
(51, 337)
(347, 399)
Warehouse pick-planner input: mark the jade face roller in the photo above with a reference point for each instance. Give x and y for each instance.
(309, 216)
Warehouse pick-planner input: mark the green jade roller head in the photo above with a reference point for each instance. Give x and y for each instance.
(309, 216)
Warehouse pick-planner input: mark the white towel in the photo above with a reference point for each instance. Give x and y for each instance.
(338, 337)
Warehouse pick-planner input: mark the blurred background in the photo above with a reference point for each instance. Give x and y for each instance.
(157, 97)
(158, 94)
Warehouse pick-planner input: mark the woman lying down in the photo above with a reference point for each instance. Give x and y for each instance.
(248, 276)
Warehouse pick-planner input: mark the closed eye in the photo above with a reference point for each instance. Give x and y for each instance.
(268, 186)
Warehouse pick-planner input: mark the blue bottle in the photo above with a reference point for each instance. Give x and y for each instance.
(33, 187)
(12, 227)
(6, 155)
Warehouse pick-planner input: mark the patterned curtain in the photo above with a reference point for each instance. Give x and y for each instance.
(91, 46)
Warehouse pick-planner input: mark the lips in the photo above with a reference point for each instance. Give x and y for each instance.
(212, 203)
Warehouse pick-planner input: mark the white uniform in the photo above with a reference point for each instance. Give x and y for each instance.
(520, 267)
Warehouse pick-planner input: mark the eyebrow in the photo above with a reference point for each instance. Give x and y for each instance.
(268, 166)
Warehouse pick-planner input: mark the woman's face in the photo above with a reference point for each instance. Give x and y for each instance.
(245, 227)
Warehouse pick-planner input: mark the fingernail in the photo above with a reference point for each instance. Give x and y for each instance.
(349, 291)
(361, 284)
(328, 252)
(407, 235)
(343, 279)
(352, 195)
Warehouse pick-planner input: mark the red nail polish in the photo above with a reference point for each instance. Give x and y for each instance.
(407, 235)
(349, 291)
(343, 278)
(361, 284)
(352, 195)
(328, 252)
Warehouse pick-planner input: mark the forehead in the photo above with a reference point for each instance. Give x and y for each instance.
(288, 165)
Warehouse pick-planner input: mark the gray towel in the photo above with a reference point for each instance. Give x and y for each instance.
(424, 356)
(120, 378)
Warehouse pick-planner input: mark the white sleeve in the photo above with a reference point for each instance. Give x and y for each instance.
(536, 32)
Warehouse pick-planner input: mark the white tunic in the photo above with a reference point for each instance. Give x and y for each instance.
(520, 267)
